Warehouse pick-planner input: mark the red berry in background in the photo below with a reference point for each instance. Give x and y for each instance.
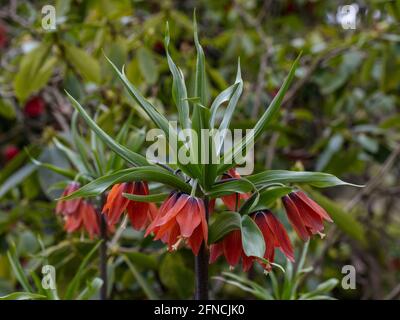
(290, 8)
(10, 152)
(3, 35)
(34, 107)
(158, 47)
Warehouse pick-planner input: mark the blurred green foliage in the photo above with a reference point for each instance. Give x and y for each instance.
(341, 116)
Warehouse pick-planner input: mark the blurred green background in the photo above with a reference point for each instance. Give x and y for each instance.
(340, 116)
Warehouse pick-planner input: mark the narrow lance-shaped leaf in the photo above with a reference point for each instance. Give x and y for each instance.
(156, 174)
(157, 118)
(128, 155)
(231, 106)
(261, 124)
(179, 92)
(200, 81)
(71, 155)
(316, 179)
(80, 144)
(121, 137)
(18, 270)
(223, 97)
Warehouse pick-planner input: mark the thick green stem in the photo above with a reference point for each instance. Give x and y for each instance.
(201, 267)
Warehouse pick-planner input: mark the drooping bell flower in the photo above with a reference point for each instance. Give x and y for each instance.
(85, 217)
(66, 207)
(232, 201)
(181, 218)
(78, 213)
(10, 152)
(140, 213)
(304, 214)
(231, 247)
(34, 107)
(274, 234)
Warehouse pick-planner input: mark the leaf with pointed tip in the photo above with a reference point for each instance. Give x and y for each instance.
(158, 119)
(200, 80)
(261, 124)
(223, 223)
(252, 239)
(128, 155)
(226, 120)
(179, 91)
(71, 155)
(316, 179)
(148, 173)
(223, 97)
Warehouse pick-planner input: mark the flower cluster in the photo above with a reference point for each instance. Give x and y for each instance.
(140, 213)
(181, 219)
(305, 215)
(78, 213)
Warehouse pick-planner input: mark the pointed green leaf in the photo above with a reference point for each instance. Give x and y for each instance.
(200, 80)
(316, 179)
(261, 124)
(17, 269)
(252, 238)
(23, 296)
(154, 173)
(128, 155)
(179, 92)
(223, 223)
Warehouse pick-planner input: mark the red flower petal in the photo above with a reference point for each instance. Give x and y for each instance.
(283, 241)
(204, 224)
(268, 235)
(90, 219)
(189, 218)
(312, 220)
(73, 222)
(196, 239)
(116, 203)
(295, 219)
(232, 245)
(314, 206)
(216, 250)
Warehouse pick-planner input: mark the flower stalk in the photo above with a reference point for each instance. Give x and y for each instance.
(103, 256)
(201, 265)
